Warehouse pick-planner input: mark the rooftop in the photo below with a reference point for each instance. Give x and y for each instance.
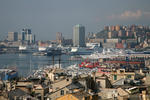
(79, 25)
(80, 95)
(76, 85)
(17, 92)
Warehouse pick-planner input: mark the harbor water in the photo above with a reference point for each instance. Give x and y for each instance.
(27, 63)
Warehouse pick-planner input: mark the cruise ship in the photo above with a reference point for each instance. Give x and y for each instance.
(27, 49)
(49, 51)
(53, 51)
(85, 50)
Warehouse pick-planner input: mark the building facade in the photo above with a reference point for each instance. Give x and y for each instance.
(121, 74)
(27, 35)
(59, 37)
(79, 35)
(12, 36)
(19, 37)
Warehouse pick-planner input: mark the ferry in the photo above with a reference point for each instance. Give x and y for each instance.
(39, 54)
(85, 50)
(53, 51)
(27, 49)
(48, 52)
(41, 48)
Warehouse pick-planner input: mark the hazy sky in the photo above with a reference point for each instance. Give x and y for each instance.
(46, 17)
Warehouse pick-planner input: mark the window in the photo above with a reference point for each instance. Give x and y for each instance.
(115, 77)
(128, 76)
(62, 92)
(86, 98)
(67, 92)
(121, 71)
(99, 83)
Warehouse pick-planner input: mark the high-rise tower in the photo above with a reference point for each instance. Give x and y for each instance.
(59, 37)
(12, 36)
(27, 35)
(79, 35)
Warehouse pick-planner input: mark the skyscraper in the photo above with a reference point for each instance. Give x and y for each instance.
(59, 37)
(79, 35)
(12, 36)
(34, 38)
(19, 37)
(27, 35)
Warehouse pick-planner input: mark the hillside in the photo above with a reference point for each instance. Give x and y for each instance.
(102, 34)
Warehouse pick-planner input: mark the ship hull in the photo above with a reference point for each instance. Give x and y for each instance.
(54, 52)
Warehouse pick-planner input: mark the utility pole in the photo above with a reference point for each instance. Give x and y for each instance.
(59, 60)
(53, 58)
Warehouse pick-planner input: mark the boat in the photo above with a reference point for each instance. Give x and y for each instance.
(41, 49)
(133, 52)
(49, 51)
(39, 54)
(53, 51)
(76, 57)
(88, 64)
(85, 50)
(146, 52)
(27, 49)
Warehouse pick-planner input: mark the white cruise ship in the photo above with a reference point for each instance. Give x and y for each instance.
(85, 50)
(27, 49)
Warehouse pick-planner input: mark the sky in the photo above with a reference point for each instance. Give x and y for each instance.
(46, 17)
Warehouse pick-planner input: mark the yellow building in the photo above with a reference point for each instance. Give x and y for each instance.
(121, 73)
(110, 35)
(117, 27)
(78, 96)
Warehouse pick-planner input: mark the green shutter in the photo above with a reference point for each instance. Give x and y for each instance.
(115, 77)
